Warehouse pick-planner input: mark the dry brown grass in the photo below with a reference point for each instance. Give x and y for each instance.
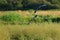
(48, 12)
(25, 13)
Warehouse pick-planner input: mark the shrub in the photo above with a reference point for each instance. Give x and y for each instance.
(18, 19)
(56, 19)
(12, 18)
(42, 18)
(47, 18)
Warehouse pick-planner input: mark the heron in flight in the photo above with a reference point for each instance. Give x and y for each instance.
(35, 13)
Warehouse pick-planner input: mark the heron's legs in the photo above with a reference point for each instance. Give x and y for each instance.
(33, 18)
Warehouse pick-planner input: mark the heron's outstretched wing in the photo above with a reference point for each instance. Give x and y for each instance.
(39, 8)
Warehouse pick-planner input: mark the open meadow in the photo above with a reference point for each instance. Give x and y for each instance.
(13, 25)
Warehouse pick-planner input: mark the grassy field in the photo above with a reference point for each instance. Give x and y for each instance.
(33, 31)
(25, 16)
(42, 31)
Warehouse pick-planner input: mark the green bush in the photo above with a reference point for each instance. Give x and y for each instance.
(18, 19)
(47, 18)
(41, 18)
(13, 18)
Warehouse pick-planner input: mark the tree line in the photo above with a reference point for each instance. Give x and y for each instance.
(28, 4)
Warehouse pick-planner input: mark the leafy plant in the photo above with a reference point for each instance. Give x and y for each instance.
(14, 18)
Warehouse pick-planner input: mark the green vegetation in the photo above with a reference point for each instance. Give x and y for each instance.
(43, 27)
(15, 18)
(28, 4)
(11, 18)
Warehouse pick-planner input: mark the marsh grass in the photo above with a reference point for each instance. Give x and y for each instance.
(43, 31)
(44, 27)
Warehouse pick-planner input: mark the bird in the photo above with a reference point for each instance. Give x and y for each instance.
(34, 17)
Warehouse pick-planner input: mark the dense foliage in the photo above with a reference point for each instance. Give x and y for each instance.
(28, 4)
(17, 19)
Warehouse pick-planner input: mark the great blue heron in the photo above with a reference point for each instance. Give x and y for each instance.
(33, 18)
